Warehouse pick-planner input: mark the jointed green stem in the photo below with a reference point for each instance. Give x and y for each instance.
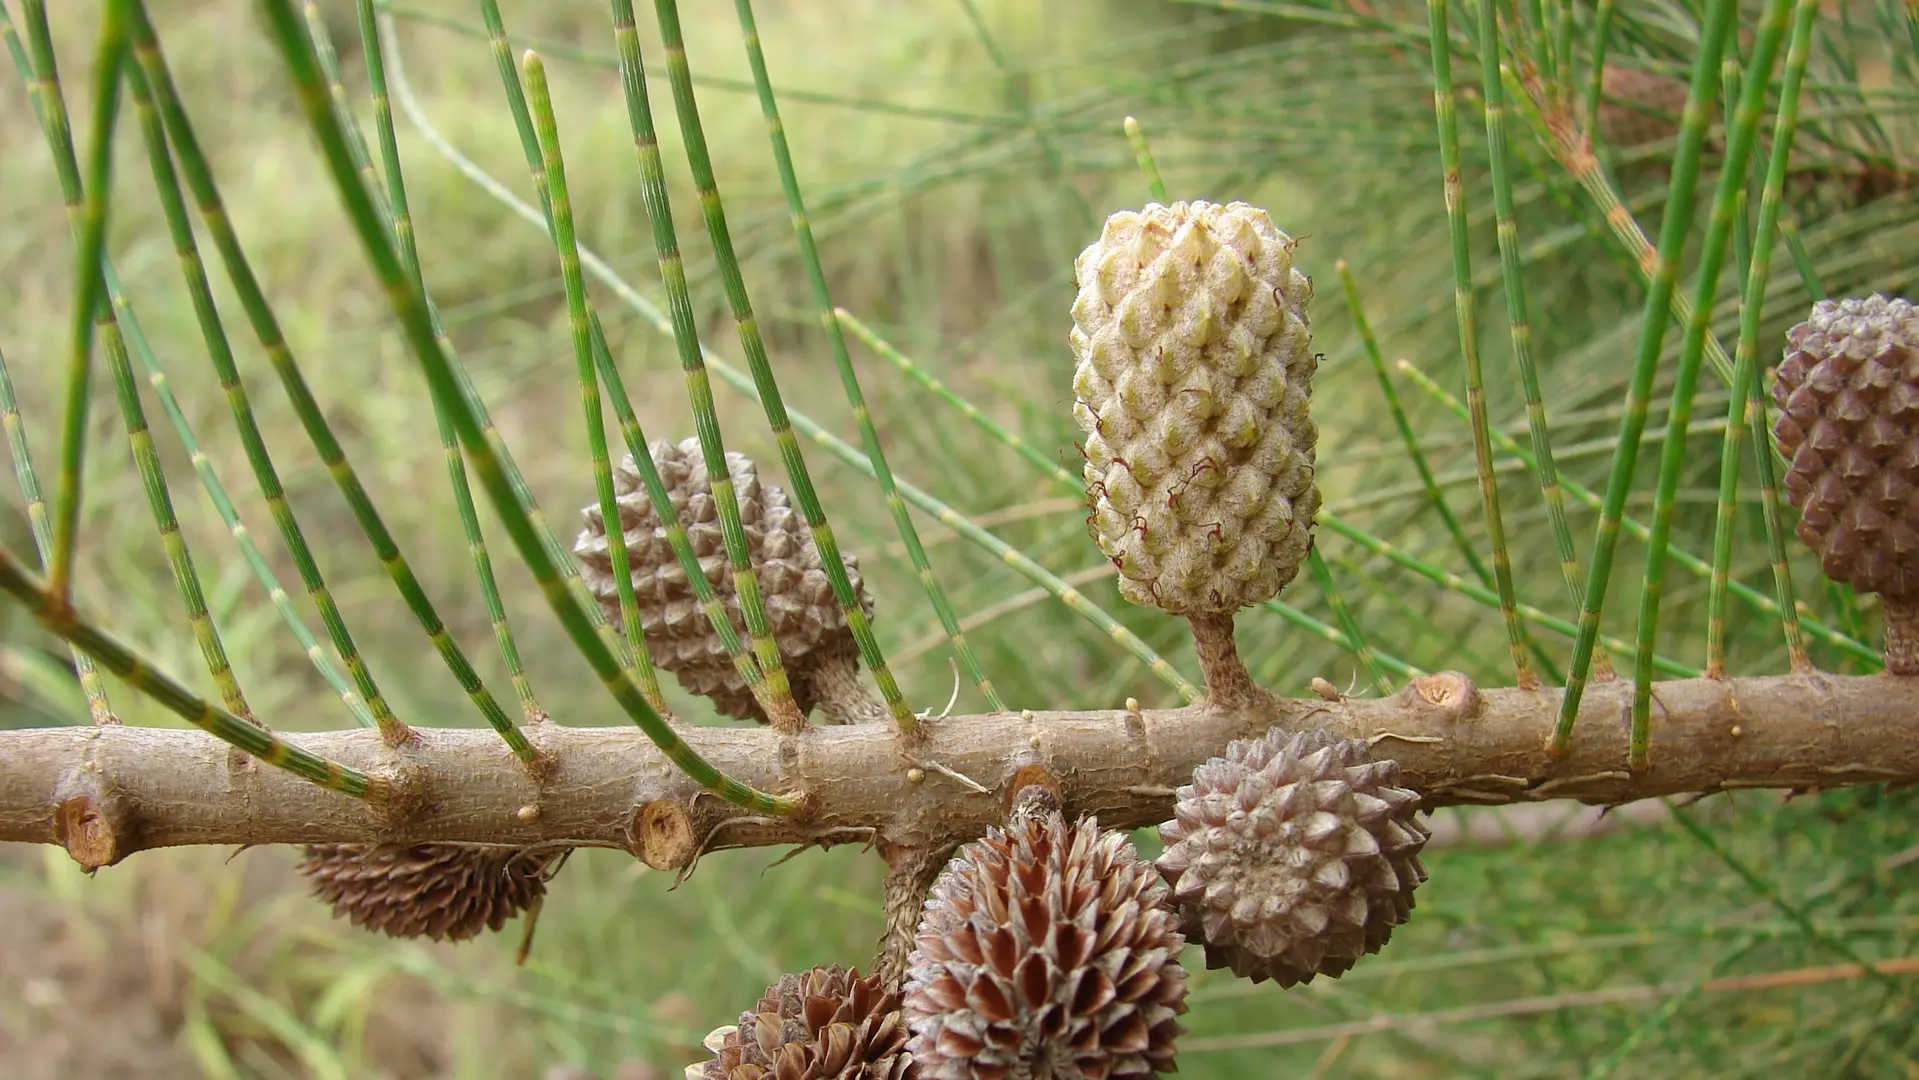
(91, 684)
(630, 429)
(193, 270)
(1479, 594)
(1745, 408)
(1350, 639)
(780, 708)
(109, 56)
(1323, 577)
(1370, 343)
(153, 479)
(1143, 154)
(637, 448)
(401, 218)
(267, 329)
(849, 380)
(60, 618)
(1596, 54)
(1413, 451)
(1519, 322)
(1732, 181)
(1672, 240)
(550, 178)
(806, 426)
(1756, 600)
(410, 307)
(1455, 193)
(130, 327)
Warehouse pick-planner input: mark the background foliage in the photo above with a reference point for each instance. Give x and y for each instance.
(956, 157)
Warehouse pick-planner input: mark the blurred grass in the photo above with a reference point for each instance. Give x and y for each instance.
(950, 194)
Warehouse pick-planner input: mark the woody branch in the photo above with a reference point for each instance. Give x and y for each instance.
(105, 792)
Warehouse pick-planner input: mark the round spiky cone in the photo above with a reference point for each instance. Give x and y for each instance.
(1293, 855)
(1848, 391)
(1046, 951)
(1195, 366)
(823, 1024)
(447, 892)
(800, 607)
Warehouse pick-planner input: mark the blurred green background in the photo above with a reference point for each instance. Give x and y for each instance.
(956, 154)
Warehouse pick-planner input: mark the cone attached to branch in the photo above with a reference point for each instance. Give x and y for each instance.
(823, 1024)
(807, 622)
(447, 892)
(1046, 950)
(1848, 393)
(1195, 367)
(1293, 856)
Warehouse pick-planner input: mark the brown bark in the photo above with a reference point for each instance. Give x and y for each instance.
(1902, 636)
(1455, 744)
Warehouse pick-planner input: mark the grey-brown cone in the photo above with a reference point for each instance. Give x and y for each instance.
(823, 1024)
(447, 892)
(804, 615)
(1046, 951)
(1848, 391)
(1293, 856)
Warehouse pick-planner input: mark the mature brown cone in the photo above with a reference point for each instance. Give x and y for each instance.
(806, 619)
(1848, 391)
(447, 892)
(1293, 855)
(823, 1024)
(1046, 951)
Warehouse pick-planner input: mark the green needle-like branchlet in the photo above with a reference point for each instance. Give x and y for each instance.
(805, 425)
(91, 684)
(1323, 577)
(1673, 231)
(129, 324)
(1759, 602)
(1143, 155)
(1444, 109)
(550, 179)
(849, 381)
(1746, 407)
(200, 181)
(780, 707)
(1363, 326)
(1519, 322)
(1732, 181)
(1349, 639)
(410, 308)
(109, 57)
(401, 218)
(59, 617)
(634, 436)
(220, 352)
(153, 480)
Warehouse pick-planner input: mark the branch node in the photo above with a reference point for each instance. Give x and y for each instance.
(1451, 691)
(93, 821)
(1031, 783)
(662, 835)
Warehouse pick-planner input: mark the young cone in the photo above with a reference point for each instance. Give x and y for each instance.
(823, 1024)
(447, 892)
(1848, 393)
(1293, 856)
(1194, 370)
(1046, 950)
(815, 643)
